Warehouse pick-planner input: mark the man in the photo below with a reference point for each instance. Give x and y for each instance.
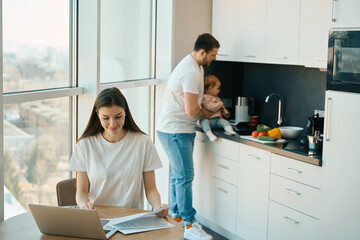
(176, 129)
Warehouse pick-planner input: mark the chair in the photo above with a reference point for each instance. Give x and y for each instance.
(66, 191)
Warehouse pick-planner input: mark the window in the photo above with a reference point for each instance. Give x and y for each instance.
(36, 152)
(35, 44)
(41, 78)
(126, 36)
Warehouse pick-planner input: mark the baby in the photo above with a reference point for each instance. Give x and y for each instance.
(212, 103)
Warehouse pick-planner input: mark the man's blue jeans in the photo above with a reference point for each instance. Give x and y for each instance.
(179, 149)
(216, 122)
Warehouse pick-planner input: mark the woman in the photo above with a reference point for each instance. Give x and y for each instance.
(113, 159)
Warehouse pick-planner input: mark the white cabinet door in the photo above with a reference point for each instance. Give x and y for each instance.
(223, 204)
(314, 31)
(202, 166)
(252, 26)
(225, 28)
(345, 13)
(340, 190)
(253, 192)
(282, 31)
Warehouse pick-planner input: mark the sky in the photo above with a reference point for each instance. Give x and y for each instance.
(36, 23)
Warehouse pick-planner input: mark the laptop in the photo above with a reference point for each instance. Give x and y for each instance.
(71, 222)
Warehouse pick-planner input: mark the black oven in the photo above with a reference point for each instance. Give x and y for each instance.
(343, 68)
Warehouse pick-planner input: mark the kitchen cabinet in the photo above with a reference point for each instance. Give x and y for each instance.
(225, 28)
(202, 164)
(253, 192)
(252, 26)
(314, 31)
(340, 190)
(294, 199)
(285, 223)
(223, 192)
(282, 31)
(345, 13)
(272, 31)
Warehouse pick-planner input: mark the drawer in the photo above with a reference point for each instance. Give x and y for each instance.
(226, 148)
(223, 204)
(253, 153)
(296, 170)
(225, 169)
(285, 223)
(298, 196)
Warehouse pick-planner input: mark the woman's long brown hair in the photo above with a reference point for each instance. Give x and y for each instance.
(108, 98)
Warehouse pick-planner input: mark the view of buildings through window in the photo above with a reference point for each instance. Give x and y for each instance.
(36, 134)
(36, 56)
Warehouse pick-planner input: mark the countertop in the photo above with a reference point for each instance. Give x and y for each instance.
(289, 148)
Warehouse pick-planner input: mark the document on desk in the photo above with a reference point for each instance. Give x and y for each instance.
(141, 222)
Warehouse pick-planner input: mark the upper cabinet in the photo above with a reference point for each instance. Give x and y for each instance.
(345, 13)
(282, 31)
(225, 28)
(314, 25)
(252, 29)
(272, 31)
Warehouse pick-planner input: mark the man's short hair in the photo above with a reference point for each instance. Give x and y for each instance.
(207, 42)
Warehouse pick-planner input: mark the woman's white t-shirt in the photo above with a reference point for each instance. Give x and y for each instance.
(115, 170)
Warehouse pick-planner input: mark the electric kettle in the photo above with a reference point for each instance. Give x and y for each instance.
(244, 109)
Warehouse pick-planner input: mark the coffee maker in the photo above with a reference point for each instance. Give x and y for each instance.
(244, 109)
(315, 123)
(315, 129)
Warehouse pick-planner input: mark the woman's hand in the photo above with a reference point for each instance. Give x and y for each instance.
(86, 205)
(164, 212)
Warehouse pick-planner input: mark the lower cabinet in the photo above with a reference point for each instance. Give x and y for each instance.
(202, 165)
(253, 193)
(285, 223)
(223, 204)
(244, 192)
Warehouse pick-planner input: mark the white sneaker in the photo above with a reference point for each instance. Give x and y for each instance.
(195, 232)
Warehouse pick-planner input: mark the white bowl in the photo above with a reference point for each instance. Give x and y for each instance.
(290, 132)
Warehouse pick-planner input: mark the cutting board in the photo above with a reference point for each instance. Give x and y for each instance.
(251, 138)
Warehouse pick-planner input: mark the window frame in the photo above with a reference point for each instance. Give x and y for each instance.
(80, 90)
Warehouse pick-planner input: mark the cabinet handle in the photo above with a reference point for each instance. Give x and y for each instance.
(253, 156)
(222, 190)
(320, 59)
(294, 170)
(281, 57)
(223, 54)
(291, 220)
(333, 19)
(250, 56)
(222, 166)
(326, 128)
(292, 191)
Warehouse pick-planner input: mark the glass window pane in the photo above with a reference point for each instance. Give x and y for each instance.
(125, 40)
(138, 100)
(36, 152)
(35, 44)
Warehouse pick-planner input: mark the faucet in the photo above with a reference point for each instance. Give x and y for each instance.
(279, 121)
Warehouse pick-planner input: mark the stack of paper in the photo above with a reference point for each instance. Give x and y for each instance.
(141, 222)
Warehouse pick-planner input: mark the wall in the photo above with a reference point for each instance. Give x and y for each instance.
(302, 89)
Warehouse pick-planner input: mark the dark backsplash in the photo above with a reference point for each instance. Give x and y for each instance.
(302, 89)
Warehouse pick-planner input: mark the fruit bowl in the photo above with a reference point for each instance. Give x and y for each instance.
(290, 132)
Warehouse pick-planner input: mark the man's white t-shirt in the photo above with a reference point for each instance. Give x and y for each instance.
(188, 77)
(115, 170)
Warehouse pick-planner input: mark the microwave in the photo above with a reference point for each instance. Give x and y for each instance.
(343, 65)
